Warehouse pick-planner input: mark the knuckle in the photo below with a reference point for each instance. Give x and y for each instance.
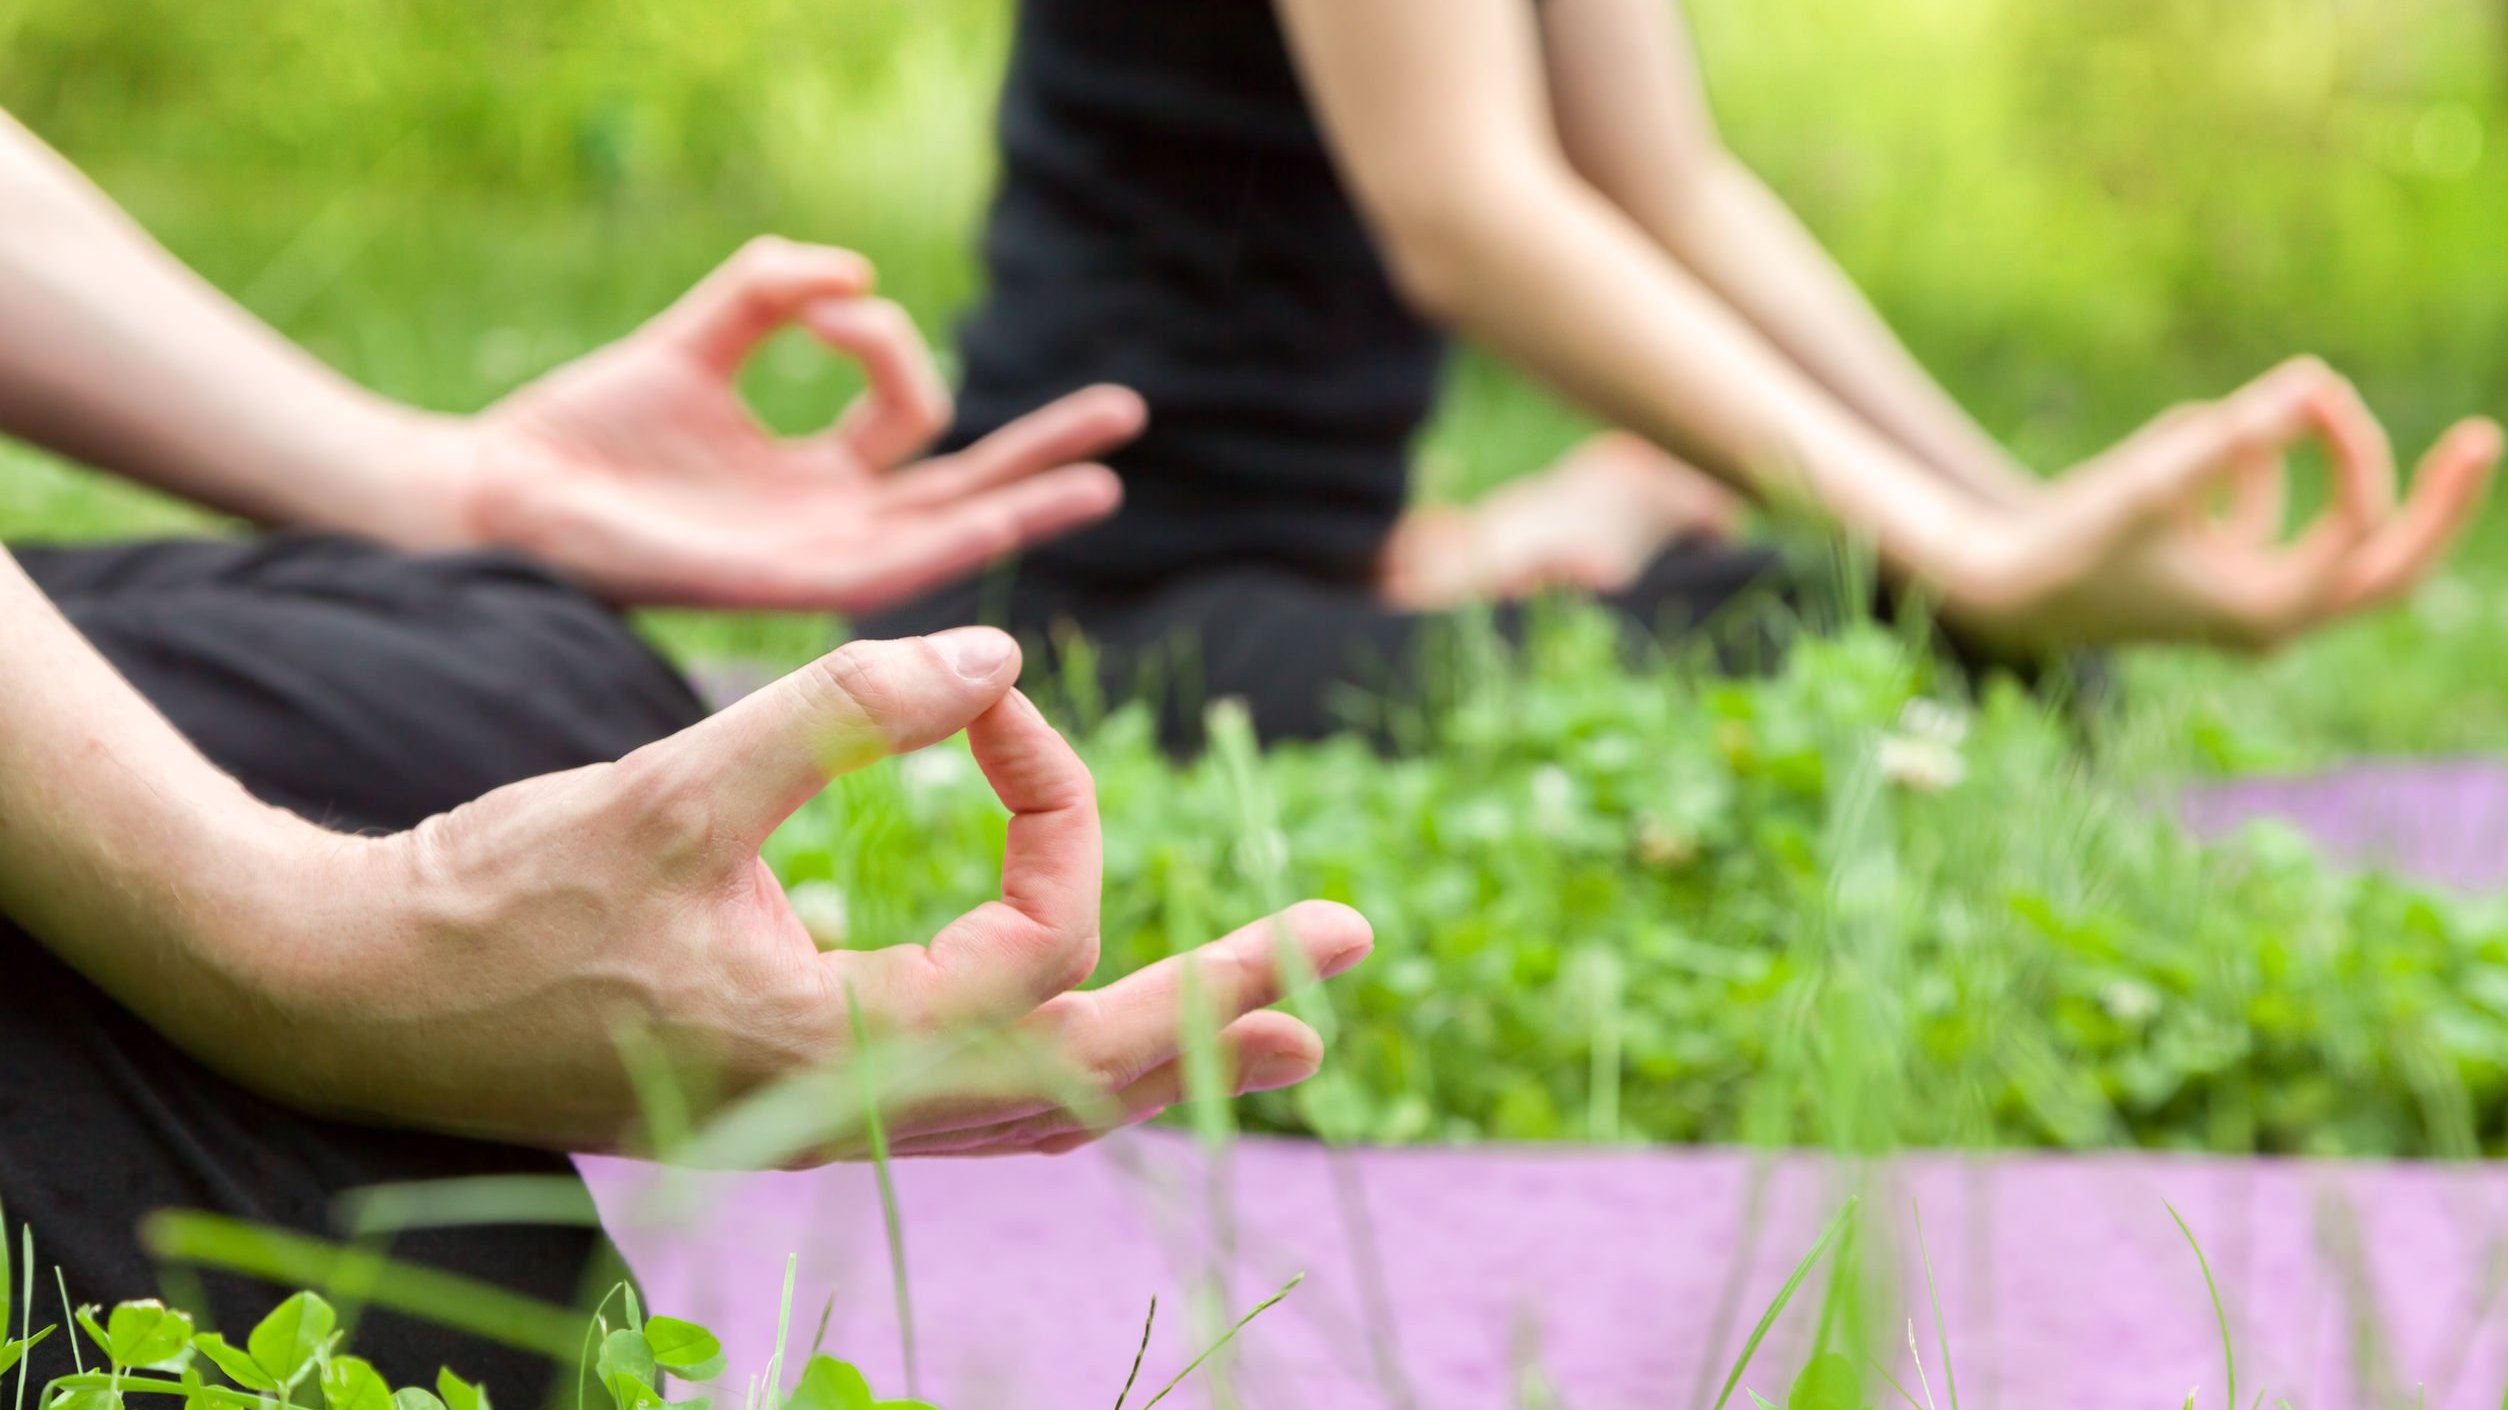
(856, 678)
(1057, 962)
(671, 808)
(760, 256)
(1074, 959)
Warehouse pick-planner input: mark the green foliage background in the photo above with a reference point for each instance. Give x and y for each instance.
(1614, 905)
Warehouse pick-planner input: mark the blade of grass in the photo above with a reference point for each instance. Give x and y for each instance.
(25, 1304)
(469, 1201)
(595, 1328)
(783, 1325)
(827, 1314)
(1138, 1356)
(2229, 1358)
(875, 1126)
(69, 1320)
(1892, 1381)
(1918, 1358)
(1349, 1197)
(1784, 1295)
(1230, 1335)
(295, 1260)
(1941, 1329)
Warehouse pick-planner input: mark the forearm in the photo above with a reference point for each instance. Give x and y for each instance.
(1742, 242)
(128, 854)
(1538, 265)
(113, 353)
(1632, 117)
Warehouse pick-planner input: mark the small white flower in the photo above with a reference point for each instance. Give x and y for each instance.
(933, 771)
(820, 906)
(2130, 1001)
(1931, 719)
(1554, 794)
(1923, 753)
(1925, 765)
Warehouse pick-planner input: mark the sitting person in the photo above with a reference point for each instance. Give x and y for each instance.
(1262, 216)
(337, 856)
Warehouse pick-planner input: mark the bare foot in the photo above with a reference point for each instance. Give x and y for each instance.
(1593, 521)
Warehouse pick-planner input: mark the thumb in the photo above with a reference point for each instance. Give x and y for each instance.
(778, 747)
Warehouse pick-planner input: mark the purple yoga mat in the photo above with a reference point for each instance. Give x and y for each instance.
(2444, 822)
(2064, 1282)
(1630, 1278)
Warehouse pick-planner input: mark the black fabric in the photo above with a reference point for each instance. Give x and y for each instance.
(1168, 218)
(366, 691)
(1307, 657)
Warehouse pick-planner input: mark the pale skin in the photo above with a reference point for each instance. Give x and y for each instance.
(1548, 179)
(475, 974)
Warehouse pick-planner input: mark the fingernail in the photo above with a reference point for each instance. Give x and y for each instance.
(1272, 1073)
(1345, 960)
(976, 653)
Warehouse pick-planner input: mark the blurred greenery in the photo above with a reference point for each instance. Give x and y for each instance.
(2077, 214)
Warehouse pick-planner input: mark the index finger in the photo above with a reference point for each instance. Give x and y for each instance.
(2445, 495)
(1006, 957)
(904, 403)
(2364, 457)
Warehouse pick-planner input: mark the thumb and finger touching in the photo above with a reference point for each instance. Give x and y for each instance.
(771, 284)
(2161, 477)
(1000, 961)
(905, 404)
(758, 290)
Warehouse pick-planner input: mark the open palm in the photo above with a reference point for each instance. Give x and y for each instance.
(640, 471)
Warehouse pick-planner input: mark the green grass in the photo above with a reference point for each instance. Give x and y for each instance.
(1614, 905)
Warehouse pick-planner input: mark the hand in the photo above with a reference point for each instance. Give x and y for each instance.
(2126, 547)
(640, 471)
(475, 974)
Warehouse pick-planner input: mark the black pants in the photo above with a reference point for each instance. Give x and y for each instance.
(1308, 656)
(363, 690)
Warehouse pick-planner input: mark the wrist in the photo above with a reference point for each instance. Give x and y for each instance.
(423, 488)
(248, 893)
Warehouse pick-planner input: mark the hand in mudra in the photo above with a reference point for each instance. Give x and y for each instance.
(2129, 546)
(510, 942)
(640, 471)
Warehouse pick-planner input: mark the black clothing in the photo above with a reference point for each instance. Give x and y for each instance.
(1169, 219)
(1309, 657)
(363, 690)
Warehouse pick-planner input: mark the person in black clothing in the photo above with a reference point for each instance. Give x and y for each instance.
(336, 856)
(1265, 217)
